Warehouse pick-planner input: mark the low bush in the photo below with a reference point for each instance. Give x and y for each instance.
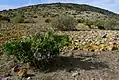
(38, 49)
(88, 22)
(4, 18)
(100, 24)
(28, 20)
(110, 24)
(18, 19)
(64, 23)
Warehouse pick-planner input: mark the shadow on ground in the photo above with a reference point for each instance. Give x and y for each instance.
(72, 63)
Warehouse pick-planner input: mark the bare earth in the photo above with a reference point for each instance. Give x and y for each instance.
(75, 65)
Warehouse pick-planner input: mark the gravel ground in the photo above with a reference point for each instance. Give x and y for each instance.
(79, 66)
(75, 64)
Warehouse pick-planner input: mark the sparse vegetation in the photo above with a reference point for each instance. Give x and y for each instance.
(4, 18)
(111, 25)
(101, 24)
(28, 20)
(64, 23)
(88, 22)
(18, 19)
(84, 13)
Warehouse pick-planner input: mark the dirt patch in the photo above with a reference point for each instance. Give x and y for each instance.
(79, 66)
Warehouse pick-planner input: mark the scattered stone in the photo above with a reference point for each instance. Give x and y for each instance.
(75, 74)
(69, 70)
(95, 41)
(28, 78)
(22, 72)
(92, 78)
(15, 69)
(5, 78)
(7, 75)
(19, 71)
(104, 36)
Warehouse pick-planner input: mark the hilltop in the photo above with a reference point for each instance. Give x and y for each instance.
(58, 8)
(40, 12)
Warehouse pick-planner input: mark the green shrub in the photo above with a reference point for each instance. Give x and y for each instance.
(28, 20)
(100, 24)
(38, 49)
(18, 19)
(20, 50)
(88, 22)
(110, 24)
(64, 23)
(4, 18)
(80, 20)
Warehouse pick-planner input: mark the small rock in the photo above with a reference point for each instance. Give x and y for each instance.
(5, 78)
(98, 53)
(22, 72)
(75, 74)
(104, 36)
(28, 78)
(15, 69)
(69, 70)
(93, 79)
(7, 75)
(76, 79)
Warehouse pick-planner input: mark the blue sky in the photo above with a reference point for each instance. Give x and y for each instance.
(112, 5)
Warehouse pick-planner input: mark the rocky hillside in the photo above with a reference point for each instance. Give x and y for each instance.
(37, 13)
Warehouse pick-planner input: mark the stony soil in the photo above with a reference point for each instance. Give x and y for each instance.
(73, 64)
(79, 66)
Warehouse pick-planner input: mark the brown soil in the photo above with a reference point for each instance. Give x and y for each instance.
(74, 65)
